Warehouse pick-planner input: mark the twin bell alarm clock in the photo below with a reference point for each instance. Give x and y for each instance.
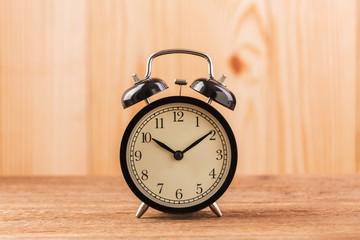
(178, 154)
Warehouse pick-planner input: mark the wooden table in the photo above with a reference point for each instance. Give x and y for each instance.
(254, 207)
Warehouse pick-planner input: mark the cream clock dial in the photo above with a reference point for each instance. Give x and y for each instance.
(178, 154)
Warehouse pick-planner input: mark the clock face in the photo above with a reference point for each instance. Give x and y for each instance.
(178, 154)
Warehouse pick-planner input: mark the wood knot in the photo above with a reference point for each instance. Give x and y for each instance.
(236, 64)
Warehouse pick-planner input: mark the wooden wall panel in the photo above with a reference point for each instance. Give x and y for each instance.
(314, 83)
(43, 88)
(107, 51)
(357, 92)
(65, 64)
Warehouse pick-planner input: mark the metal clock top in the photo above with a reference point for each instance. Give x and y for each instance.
(210, 87)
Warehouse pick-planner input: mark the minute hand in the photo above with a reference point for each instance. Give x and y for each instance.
(196, 142)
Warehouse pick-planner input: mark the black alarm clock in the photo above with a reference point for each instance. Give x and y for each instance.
(178, 154)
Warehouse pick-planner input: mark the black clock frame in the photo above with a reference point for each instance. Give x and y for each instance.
(136, 119)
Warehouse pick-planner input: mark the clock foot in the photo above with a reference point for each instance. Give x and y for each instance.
(215, 208)
(147, 100)
(142, 209)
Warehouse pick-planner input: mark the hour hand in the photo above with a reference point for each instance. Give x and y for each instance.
(163, 145)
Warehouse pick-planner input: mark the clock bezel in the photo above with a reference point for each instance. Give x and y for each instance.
(200, 104)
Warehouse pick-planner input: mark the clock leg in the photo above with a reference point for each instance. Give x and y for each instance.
(215, 208)
(147, 100)
(142, 209)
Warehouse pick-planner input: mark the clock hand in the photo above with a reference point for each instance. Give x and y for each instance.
(196, 142)
(163, 145)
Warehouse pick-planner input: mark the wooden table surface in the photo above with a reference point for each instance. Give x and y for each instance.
(254, 207)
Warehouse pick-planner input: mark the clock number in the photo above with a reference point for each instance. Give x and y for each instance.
(178, 194)
(197, 121)
(178, 116)
(138, 155)
(219, 156)
(213, 135)
(199, 188)
(161, 187)
(212, 173)
(144, 174)
(146, 137)
(159, 123)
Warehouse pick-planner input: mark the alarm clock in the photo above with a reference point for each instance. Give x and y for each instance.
(178, 154)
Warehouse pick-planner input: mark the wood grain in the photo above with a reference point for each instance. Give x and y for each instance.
(357, 67)
(291, 64)
(43, 88)
(258, 207)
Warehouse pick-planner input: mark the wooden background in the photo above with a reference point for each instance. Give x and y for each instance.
(293, 66)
